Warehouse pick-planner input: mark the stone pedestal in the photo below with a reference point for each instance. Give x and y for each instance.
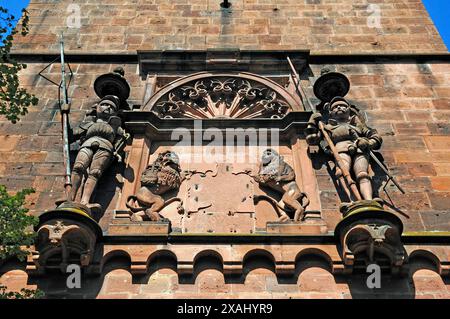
(312, 225)
(121, 225)
(369, 234)
(66, 235)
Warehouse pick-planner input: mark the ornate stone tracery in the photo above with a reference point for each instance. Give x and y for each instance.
(206, 95)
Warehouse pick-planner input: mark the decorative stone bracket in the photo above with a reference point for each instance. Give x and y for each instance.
(368, 234)
(65, 235)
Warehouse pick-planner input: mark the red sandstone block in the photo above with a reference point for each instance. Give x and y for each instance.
(442, 92)
(364, 80)
(361, 93)
(418, 116)
(274, 287)
(442, 104)
(119, 281)
(209, 29)
(411, 129)
(441, 156)
(415, 184)
(159, 283)
(411, 157)
(441, 116)
(381, 116)
(322, 284)
(421, 169)
(8, 142)
(269, 39)
(427, 281)
(442, 168)
(437, 143)
(212, 281)
(440, 67)
(253, 284)
(441, 183)
(440, 200)
(23, 157)
(410, 202)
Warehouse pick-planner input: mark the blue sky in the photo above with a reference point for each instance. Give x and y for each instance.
(14, 6)
(439, 11)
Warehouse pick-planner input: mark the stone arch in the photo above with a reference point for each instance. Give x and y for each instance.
(161, 259)
(423, 259)
(313, 257)
(116, 259)
(208, 259)
(314, 272)
(258, 258)
(207, 262)
(206, 95)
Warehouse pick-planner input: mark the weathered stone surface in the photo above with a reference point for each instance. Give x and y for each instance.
(337, 26)
(407, 102)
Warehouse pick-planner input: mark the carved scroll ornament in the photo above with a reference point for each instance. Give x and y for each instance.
(227, 96)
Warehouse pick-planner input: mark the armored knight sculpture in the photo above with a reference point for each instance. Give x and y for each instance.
(340, 130)
(102, 138)
(71, 228)
(352, 140)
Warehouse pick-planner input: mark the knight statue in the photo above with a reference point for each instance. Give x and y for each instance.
(102, 138)
(352, 139)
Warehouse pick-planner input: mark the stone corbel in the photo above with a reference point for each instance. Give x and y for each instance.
(370, 234)
(64, 233)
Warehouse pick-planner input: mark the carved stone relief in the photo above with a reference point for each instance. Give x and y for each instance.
(222, 96)
(158, 178)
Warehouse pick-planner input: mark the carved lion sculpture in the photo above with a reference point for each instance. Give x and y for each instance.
(160, 177)
(276, 174)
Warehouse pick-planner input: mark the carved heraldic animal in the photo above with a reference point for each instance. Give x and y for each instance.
(163, 175)
(276, 174)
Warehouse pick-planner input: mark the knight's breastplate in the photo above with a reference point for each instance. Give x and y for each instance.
(102, 130)
(343, 132)
(343, 135)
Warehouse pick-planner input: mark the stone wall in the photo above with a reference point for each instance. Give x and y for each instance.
(407, 102)
(312, 277)
(406, 99)
(322, 26)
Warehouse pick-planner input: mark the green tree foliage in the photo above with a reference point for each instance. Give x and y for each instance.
(14, 101)
(23, 294)
(16, 233)
(15, 224)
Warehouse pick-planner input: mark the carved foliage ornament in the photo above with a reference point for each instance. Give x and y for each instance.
(222, 97)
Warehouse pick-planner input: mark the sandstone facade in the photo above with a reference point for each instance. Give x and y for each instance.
(400, 78)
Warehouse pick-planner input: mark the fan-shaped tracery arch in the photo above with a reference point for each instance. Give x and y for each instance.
(207, 95)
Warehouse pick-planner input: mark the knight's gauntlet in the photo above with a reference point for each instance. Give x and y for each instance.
(373, 143)
(312, 134)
